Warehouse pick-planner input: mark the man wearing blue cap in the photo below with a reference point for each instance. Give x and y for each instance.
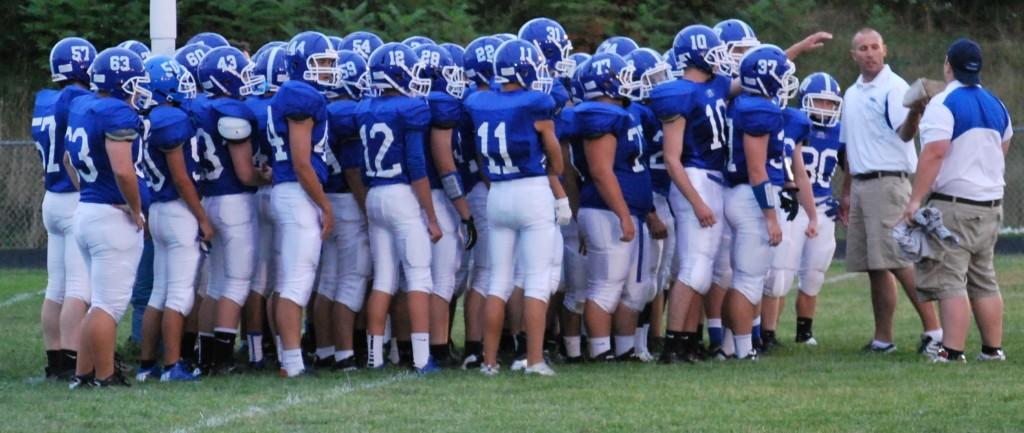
(966, 133)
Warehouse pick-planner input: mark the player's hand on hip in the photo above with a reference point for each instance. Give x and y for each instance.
(628, 228)
(434, 231)
(206, 230)
(774, 232)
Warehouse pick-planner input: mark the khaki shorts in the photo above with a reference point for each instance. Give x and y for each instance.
(876, 207)
(966, 268)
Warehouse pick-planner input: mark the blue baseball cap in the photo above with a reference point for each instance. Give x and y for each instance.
(964, 56)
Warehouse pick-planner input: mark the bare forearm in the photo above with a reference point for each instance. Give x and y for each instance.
(421, 189)
(128, 184)
(354, 179)
(608, 188)
(908, 129)
(310, 183)
(681, 180)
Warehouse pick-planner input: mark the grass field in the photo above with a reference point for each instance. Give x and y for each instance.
(830, 388)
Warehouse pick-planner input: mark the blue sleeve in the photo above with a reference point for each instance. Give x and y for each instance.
(542, 107)
(559, 94)
(301, 101)
(593, 121)
(342, 120)
(351, 155)
(415, 160)
(669, 101)
(759, 120)
(417, 115)
(565, 125)
(235, 108)
(445, 111)
(118, 116)
(172, 129)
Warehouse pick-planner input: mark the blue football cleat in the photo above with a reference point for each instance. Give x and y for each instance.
(179, 373)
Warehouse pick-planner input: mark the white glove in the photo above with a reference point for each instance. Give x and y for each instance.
(563, 213)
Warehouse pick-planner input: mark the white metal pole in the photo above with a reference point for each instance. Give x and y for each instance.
(163, 26)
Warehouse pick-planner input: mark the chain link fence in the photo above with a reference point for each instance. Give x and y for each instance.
(21, 194)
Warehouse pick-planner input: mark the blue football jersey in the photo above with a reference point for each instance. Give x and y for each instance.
(445, 113)
(261, 151)
(89, 120)
(465, 151)
(594, 119)
(344, 150)
(654, 151)
(565, 128)
(297, 99)
(218, 172)
(391, 129)
(821, 157)
(505, 134)
(704, 106)
(169, 128)
(798, 126)
(49, 123)
(755, 116)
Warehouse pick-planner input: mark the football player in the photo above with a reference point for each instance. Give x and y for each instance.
(272, 69)
(766, 77)
(346, 260)
(479, 69)
(692, 111)
(448, 84)
(224, 125)
(103, 140)
(175, 217)
(796, 193)
(615, 200)
(67, 284)
(297, 130)
(515, 133)
(400, 211)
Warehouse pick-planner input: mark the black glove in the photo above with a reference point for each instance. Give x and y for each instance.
(788, 203)
(470, 228)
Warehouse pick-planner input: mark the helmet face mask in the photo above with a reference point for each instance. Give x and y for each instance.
(821, 99)
(321, 68)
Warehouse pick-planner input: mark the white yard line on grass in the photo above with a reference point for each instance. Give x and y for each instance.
(19, 297)
(288, 402)
(841, 277)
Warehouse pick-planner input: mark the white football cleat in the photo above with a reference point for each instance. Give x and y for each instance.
(542, 369)
(518, 364)
(488, 370)
(999, 356)
(644, 356)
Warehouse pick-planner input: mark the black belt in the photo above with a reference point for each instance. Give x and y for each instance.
(949, 198)
(879, 175)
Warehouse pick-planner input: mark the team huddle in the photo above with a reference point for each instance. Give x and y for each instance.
(573, 201)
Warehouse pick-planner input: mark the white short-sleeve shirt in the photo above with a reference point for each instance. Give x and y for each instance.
(977, 124)
(872, 113)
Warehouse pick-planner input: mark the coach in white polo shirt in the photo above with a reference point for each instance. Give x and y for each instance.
(966, 133)
(879, 132)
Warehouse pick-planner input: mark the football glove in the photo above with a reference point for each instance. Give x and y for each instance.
(470, 227)
(563, 213)
(832, 208)
(789, 203)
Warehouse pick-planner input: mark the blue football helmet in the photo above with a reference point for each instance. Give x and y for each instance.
(505, 36)
(436, 64)
(457, 51)
(670, 58)
(479, 59)
(210, 39)
(415, 41)
(698, 46)
(336, 42)
(394, 66)
(226, 71)
(137, 47)
(575, 86)
(169, 81)
(363, 43)
(607, 74)
(519, 61)
(766, 71)
(120, 73)
(621, 45)
(354, 79)
(553, 43)
(738, 37)
(267, 46)
(272, 68)
(820, 86)
(190, 56)
(312, 58)
(70, 60)
(649, 69)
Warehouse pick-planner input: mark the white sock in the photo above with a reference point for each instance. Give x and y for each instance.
(255, 347)
(420, 349)
(878, 344)
(728, 345)
(375, 350)
(714, 323)
(935, 334)
(572, 346)
(292, 363)
(599, 345)
(280, 348)
(324, 352)
(341, 355)
(623, 344)
(743, 345)
(640, 338)
(757, 321)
